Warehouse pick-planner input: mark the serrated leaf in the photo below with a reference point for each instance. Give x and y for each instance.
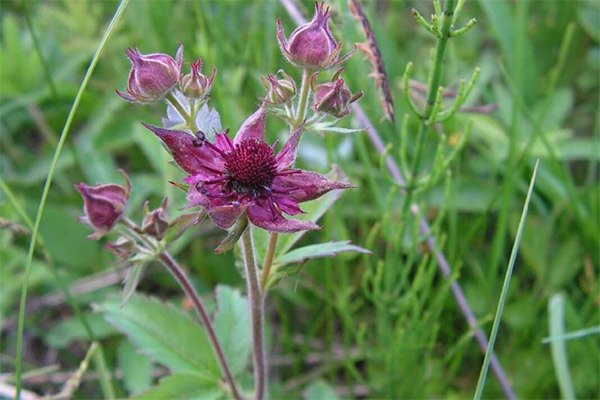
(320, 250)
(320, 390)
(184, 387)
(232, 325)
(136, 367)
(163, 332)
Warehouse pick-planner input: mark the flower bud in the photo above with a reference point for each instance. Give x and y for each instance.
(152, 76)
(196, 85)
(333, 97)
(279, 91)
(311, 45)
(155, 222)
(103, 205)
(123, 248)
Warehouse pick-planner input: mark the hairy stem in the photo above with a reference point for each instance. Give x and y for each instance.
(190, 119)
(191, 293)
(268, 263)
(304, 92)
(255, 301)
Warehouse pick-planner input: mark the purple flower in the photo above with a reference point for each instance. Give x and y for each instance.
(333, 97)
(196, 85)
(311, 45)
(152, 76)
(103, 205)
(244, 175)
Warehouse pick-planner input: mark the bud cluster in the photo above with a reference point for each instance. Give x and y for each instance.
(153, 76)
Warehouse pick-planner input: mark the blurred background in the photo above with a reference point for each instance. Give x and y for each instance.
(369, 326)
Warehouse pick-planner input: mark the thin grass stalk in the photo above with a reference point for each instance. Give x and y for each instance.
(63, 137)
(505, 287)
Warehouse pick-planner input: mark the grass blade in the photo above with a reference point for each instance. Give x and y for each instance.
(63, 137)
(556, 311)
(595, 330)
(505, 286)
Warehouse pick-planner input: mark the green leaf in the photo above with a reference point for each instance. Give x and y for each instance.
(163, 332)
(71, 329)
(136, 367)
(184, 387)
(320, 390)
(232, 325)
(320, 250)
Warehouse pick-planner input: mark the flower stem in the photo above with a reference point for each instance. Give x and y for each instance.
(191, 293)
(255, 301)
(304, 92)
(190, 120)
(268, 263)
(169, 262)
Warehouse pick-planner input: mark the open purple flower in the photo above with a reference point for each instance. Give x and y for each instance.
(243, 175)
(311, 45)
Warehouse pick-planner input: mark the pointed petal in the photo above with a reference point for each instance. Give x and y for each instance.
(252, 128)
(287, 155)
(189, 153)
(126, 96)
(287, 205)
(263, 216)
(225, 216)
(304, 185)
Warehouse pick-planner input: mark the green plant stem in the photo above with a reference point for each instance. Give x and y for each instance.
(191, 293)
(61, 142)
(255, 300)
(304, 92)
(186, 285)
(188, 118)
(505, 286)
(268, 263)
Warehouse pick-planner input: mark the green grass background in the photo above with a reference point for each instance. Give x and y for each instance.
(385, 324)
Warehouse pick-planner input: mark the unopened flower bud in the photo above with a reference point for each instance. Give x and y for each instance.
(279, 91)
(123, 248)
(152, 76)
(333, 97)
(311, 45)
(103, 205)
(155, 222)
(196, 85)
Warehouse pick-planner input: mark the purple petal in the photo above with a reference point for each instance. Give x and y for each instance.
(189, 153)
(225, 216)
(287, 205)
(252, 128)
(265, 216)
(304, 185)
(287, 155)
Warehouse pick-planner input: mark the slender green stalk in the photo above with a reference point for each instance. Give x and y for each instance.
(556, 322)
(63, 137)
(255, 300)
(190, 119)
(595, 330)
(505, 286)
(268, 263)
(304, 92)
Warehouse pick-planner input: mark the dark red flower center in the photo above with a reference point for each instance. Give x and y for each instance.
(251, 166)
